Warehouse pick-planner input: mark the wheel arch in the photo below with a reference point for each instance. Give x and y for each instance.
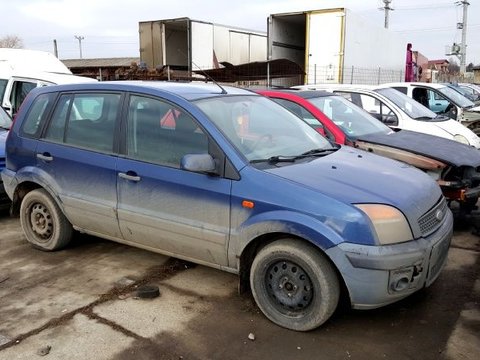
(248, 254)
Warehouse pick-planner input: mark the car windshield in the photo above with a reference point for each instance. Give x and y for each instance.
(260, 128)
(456, 97)
(412, 108)
(5, 120)
(351, 119)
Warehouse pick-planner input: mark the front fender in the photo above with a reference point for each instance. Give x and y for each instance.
(281, 221)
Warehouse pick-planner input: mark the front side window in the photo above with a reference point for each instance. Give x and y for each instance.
(162, 133)
(353, 120)
(85, 120)
(378, 109)
(306, 116)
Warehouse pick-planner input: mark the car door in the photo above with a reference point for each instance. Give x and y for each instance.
(77, 157)
(161, 206)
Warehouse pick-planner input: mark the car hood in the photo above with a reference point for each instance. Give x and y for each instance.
(434, 147)
(354, 176)
(3, 139)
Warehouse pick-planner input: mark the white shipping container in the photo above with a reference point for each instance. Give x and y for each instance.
(192, 44)
(328, 42)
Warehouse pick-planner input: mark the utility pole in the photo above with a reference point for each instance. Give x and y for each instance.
(55, 48)
(387, 9)
(463, 25)
(79, 38)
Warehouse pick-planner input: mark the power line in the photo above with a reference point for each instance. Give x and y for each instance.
(445, 28)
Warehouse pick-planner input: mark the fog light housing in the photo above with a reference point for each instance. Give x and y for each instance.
(400, 279)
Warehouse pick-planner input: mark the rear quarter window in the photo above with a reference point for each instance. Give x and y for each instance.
(36, 116)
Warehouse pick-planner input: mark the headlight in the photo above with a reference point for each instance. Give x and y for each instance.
(462, 139)
(390, 224)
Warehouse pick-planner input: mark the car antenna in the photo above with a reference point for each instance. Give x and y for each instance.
(205, 74)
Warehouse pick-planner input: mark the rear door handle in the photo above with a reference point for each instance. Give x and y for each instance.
(130, 175)
(45, 157)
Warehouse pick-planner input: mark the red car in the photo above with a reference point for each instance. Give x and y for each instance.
(454, 165)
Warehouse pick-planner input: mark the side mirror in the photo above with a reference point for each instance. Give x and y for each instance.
(200, 163)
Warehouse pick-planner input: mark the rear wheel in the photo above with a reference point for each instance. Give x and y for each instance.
(44, 224)
(294, 285)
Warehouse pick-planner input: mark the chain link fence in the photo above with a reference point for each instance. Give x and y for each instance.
(324, 75)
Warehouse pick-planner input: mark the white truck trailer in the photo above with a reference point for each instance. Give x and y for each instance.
(186, 44)
(336, 46)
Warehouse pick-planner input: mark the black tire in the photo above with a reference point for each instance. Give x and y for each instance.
(45, 226)
(294, 285)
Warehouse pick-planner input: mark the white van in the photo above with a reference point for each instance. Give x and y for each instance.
(400, 111)
(23, 70)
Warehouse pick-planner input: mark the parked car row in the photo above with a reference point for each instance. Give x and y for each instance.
(230, 179)
(453, 165)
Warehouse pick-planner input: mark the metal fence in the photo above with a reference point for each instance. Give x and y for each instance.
(326, 74)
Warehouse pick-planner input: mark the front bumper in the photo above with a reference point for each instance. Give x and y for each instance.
(379, 275)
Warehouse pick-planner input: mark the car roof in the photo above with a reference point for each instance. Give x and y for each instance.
(187, 90)
(305, 94)
(336, 86)
(431, 85)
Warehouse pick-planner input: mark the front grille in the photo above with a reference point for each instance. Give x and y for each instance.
(433, 218)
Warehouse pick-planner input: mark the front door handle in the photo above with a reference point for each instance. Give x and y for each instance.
(130, 175)
(45, 157)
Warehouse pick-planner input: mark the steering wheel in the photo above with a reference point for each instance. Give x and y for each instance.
(262, 139)
(448, 108)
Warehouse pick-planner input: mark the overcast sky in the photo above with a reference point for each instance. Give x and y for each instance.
(110, 27)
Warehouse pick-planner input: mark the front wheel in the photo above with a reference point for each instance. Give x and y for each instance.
(44, 224)
(294, 285)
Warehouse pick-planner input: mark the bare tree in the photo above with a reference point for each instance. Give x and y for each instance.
(453, 67)
(11, 41)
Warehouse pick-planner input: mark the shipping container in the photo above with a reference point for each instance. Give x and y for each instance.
(336, 45)
(186, 44)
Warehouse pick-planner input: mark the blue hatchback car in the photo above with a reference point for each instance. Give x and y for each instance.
(226, 178)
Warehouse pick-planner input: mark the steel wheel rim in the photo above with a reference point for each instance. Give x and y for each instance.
(289, 287)
(41, 222)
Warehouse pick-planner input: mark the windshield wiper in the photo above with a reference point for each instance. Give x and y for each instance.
(275, 159)
(317, 152)
(4, 127)
(292, 158)
(424, 118)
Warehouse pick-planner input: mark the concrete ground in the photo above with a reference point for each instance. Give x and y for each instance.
(78, 304)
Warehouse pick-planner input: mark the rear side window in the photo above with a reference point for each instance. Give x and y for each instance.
(85, 120)
(32, 125)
